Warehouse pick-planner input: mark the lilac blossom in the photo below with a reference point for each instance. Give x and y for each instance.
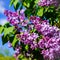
(29, 38)
(47, 2)
(50, 43)
(45, 28)
(14, 18)
(51, 48)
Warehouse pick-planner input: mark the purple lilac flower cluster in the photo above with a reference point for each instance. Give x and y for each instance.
(29, 39)
(14, 17)
(50, 48)
(47, 2)
(44, 27)
(50, 43)
(17, 19)
(17, 51)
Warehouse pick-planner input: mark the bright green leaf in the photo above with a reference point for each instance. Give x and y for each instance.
(14, 41)
(11, 2)
(8, 30)
(26, 47)
(1, 29)
(40, 11)
(17, 6)
(15, 3)
(26, 4)
(36, 1)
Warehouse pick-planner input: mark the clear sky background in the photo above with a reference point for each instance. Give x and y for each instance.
(4, 4)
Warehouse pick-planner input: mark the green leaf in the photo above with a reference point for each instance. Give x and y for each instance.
(36, 1)
(6, 25)
(4, 39)
(15, 3)
(34, 30)
(11, 2)
(40, 11)
(8, 30)
(1, 29)
(11, 38)
(26, 47)
(46, 9)
(26, 4)
(17, 6)
(21, 56)
(14, 41)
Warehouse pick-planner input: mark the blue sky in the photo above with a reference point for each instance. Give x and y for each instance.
(4, 4)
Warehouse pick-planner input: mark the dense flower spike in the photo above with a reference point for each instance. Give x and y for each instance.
(14, 18)
(50, 43)
(45, 28)
(29, 39)
(47, 2)
(51, 48)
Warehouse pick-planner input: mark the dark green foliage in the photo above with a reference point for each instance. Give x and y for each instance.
(4, 39)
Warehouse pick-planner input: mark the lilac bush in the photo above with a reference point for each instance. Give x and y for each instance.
(34, 34)
(48, 45)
